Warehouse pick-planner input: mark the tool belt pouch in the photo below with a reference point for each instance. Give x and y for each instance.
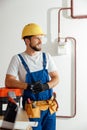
(32, 112)
(53, 105)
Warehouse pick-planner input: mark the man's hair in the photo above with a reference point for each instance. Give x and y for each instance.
(28, 37)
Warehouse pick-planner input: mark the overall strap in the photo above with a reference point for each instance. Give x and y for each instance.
(24, 63)
(44, 60)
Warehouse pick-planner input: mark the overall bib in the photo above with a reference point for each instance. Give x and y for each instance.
(46, 121)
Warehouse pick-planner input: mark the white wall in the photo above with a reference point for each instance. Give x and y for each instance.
(15, 14)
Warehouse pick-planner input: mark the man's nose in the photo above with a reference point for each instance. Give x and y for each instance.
(40, 40)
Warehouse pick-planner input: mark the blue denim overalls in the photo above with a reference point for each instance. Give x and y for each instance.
(46, 121)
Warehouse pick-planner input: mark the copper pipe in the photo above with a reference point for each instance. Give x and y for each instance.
(71, 38)
(72, 14)
(66, 39)
(59, 21)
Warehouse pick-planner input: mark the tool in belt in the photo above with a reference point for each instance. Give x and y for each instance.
(33, 108)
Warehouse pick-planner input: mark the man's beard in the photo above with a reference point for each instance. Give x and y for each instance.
(35, 48)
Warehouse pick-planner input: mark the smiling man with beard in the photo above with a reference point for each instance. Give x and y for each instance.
(38, 76)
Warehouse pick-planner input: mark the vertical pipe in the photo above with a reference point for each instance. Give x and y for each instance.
(59, 21)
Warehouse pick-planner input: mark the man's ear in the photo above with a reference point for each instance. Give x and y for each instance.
(27, 40)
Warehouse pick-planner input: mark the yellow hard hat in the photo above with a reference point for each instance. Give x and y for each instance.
(32, 29)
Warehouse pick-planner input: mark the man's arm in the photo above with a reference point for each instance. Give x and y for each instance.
(54, 79)
(39, 87)
(12, 82)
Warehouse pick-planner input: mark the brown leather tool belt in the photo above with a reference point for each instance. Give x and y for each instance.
(34, 107)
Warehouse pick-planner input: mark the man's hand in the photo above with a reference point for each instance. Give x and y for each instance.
(37, 87)
(32, 86)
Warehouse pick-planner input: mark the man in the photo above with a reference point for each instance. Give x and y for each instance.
(38, 76)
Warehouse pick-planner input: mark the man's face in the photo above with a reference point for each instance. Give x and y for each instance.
(36, 42)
